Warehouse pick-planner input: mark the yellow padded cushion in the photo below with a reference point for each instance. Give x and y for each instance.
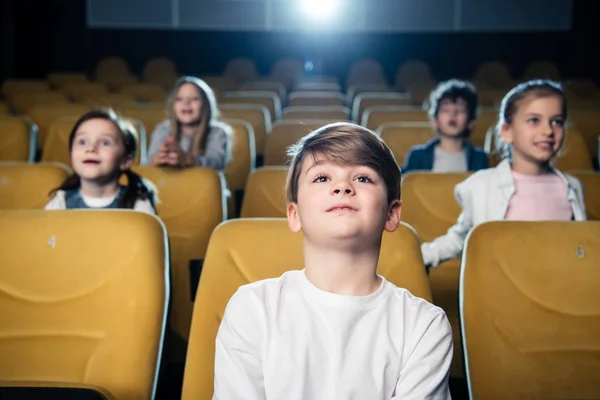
(429, 206)
(530, 310)
(265, 193)
(247, 250)
(27, 186)
(574, 154)
(256, 115)
(402, 136)
(83, 297)
(376, 116)
(191, 206)
(243, 159)
(305, 113)
(45, 114)
(283, 135)
(15, 139)
(591, 192)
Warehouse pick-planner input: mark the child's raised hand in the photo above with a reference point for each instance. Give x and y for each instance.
(161, 156)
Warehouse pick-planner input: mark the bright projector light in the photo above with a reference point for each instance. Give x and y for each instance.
(318, 9)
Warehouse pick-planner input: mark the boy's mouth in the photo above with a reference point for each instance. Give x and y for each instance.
(453, 123)
(341, 208)
(93, 162)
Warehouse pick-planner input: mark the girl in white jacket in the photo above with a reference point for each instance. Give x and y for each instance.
(524, 185)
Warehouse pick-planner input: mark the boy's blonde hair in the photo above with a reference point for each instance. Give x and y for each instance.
(346, 144)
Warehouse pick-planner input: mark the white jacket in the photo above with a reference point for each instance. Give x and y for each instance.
(485, 196)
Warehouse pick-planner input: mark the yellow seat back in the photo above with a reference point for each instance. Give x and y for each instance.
(149, 114)
(429, 206)
(59, 80)
(83, 305)
(330, 113)
(267, 99)
(284, 134)
(374, 117)
(530, 310)
(23, 101)
(145, 92)
(316, 99)
(265, 193)
(191, 205)
(12, 87)
(112, 100)
(266, 85)
(44, 115)
(247, 250)
(591, 192)
(27, 186)
(18, 139)
(587, 122)
(243, 160)
(402, 136)
(79, 91)
(371, 99)
(574, 154)
(256, 115)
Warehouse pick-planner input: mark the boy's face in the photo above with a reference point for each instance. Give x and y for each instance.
(452, 118)
(346, 203)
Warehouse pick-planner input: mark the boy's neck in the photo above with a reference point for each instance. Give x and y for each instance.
(451, 145)
(342, 272)
(92, 189)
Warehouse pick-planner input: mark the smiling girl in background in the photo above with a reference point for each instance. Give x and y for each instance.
(524, 186)
(193, 134)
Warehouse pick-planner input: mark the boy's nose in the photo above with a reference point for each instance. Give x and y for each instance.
(343, 187)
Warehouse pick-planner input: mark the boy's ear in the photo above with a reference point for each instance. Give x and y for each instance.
(434, 124)
(293, 217)
(472, 125)
(393, 219)
(506, 133)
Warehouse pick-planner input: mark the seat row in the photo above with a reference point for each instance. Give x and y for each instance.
(529, 319)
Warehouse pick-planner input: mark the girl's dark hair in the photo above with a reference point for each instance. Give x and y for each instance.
(510, 103)
(136, 188)
(209, 113)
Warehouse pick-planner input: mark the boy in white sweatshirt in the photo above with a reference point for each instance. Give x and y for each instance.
(336, 330)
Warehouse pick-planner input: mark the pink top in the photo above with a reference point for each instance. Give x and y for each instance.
(539, 198)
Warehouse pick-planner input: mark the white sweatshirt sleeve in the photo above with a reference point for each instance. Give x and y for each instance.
(425, 374)
(238, 363)
(450, 245)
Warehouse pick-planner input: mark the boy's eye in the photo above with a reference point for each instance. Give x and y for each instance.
(533, 120)
(364, 179)
(105, 142)
(321, 178)
(558, 122)
(81, 141)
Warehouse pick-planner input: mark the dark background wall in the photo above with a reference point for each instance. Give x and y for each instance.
(51, 35)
